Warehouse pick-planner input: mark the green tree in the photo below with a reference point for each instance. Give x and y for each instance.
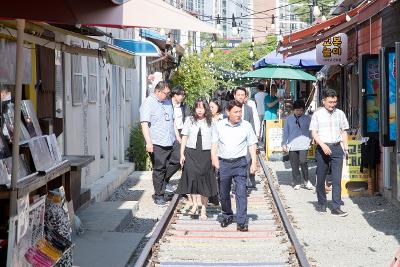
(302, 9)
(200, 74)
(195, 75)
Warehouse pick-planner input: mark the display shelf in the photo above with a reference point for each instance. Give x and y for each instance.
(37, 180)
(78, 162)
(28, 185)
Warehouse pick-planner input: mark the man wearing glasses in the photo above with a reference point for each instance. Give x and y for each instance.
(159, 131)
(296, 140)
(329, 127)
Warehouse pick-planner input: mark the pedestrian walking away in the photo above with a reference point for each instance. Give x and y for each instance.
(180, 114)
(259, 98)
(159, 131)
(296, 141)
(198, 177)
(328, 128)
(231, 139)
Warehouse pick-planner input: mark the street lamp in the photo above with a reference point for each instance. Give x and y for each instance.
(315, 12)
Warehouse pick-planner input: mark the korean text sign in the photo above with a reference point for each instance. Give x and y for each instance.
(333, 50)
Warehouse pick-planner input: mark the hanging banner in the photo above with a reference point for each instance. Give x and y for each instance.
(332, 51)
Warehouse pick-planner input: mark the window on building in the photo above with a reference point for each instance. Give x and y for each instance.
(92, 81)
(128, 84)
(77, 80)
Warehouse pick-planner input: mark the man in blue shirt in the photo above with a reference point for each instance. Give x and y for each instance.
(160, 133)
(231, 137)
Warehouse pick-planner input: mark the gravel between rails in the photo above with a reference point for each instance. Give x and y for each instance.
(368, 236)
(139, 187)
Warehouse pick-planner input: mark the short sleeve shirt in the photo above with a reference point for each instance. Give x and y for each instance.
(159, 115)
(270, 113)
(329, 125)
(233, 140)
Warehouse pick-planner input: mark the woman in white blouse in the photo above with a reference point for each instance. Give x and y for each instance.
(198, 178)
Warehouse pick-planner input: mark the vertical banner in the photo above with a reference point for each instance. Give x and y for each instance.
(371, 80)
(397, 119)
(392, 94)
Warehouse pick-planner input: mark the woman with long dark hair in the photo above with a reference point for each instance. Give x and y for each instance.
(198, 178)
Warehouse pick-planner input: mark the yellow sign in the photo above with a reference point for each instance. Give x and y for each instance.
(352, 172)
(273, 136)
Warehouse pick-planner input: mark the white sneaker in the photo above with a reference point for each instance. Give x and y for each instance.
(296, 187)
(308, 185)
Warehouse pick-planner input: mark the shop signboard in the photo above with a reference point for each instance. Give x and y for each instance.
(274, 134)
(333, 50)
(352, 171)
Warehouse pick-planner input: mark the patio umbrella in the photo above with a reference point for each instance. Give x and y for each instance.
(282, 72)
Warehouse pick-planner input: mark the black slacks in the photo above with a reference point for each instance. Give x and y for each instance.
(335, 160)
(299, 158)
(173, 164)
(160, 158)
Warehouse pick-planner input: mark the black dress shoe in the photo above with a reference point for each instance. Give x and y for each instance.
(321, 208)
(160, 201)
(339, 212)
(242, 228)
(226, 222)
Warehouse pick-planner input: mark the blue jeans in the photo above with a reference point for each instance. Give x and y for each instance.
(238, 172)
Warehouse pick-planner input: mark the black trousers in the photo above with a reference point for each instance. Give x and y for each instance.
(335, 160)
(299, 158)
(173, 164)
(160, 158)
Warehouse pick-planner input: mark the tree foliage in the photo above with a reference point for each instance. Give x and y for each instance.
(195, 76)
(201, 74)
(302, 9)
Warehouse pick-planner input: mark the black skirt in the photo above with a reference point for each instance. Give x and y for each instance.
(198, 176)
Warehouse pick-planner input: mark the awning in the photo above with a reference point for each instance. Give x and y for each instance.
(309, 38)
(305, 60)
(159, 40)
(113, 54)
(134, 13)
(140, 48)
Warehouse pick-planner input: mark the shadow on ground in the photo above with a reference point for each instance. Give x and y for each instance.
(378, 212)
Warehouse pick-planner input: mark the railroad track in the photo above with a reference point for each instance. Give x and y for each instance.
(183, 240)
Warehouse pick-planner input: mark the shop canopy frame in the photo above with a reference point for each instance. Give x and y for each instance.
(309, 38)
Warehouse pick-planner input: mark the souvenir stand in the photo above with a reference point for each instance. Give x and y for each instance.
(35, 229)
(274, 128)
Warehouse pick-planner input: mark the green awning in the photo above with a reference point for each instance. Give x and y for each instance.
(283, 73)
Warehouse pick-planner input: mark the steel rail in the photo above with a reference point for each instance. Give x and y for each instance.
(157, 234)
(301, 256)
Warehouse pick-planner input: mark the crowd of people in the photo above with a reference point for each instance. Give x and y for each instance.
(215, 144)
